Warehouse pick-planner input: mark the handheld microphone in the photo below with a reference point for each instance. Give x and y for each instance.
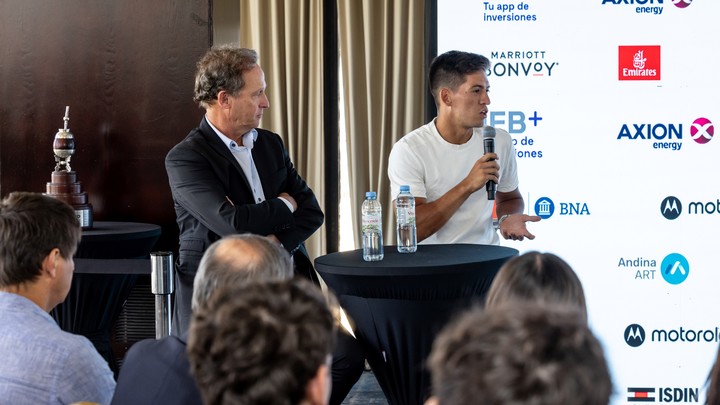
(488, 135)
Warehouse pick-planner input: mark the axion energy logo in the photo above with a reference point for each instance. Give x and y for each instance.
(667, 135)
(702, 130)
(639, 62)
(681, 3)
(654, 7)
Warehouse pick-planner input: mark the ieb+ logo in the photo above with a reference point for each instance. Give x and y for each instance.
(514, 121)
(671, 207)
(675, 268)
(634, 335)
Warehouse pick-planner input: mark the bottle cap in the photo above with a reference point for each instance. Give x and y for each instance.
(371, 195)
(404, 187)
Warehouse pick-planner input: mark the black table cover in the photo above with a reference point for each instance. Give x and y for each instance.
(399, 304)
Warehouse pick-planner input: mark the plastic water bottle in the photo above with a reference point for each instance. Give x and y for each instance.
(406, 231)
(372, 239)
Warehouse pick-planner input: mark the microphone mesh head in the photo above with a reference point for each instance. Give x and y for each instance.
(487, 131)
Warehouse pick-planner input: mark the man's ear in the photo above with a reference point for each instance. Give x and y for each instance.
(223, 98)
(446, 96)
(318, 388)
(50, 263)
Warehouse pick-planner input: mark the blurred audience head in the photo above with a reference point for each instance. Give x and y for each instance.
(713, 391)
(238, 258)
(38, 239)
(537, 277)
(263, 342)
(519, 354)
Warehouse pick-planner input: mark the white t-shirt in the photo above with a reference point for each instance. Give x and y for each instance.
(431, 166)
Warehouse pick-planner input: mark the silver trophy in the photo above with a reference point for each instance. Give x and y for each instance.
(64, 145)
(64, 184)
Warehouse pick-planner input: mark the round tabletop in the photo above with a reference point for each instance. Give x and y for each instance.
(118, 240)
(108, 230)
(429, 259)
(433, 272)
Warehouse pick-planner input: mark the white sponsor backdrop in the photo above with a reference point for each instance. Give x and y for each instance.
(616, 185)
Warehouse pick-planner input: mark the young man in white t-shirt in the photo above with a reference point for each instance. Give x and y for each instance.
(445, 164)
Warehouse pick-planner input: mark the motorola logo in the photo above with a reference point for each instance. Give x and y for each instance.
(675, 268)
(671, 207)
(634, 335)
(702, 130)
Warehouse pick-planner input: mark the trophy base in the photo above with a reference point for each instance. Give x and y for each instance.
(64, 186)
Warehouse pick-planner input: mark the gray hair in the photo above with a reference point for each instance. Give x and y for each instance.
(235, 259)
(222, 68)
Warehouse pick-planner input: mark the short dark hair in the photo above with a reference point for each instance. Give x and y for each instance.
(238, 258)
(519, 354)
(260, 342)
(536, 276)
(451, 68)
(222, 68)
(31, 226)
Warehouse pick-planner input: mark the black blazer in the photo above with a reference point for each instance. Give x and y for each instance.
(156, 372)
(213, 198)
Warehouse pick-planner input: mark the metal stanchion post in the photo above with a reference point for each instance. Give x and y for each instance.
(162, 282)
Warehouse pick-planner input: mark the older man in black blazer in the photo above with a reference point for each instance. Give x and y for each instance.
(228, 176)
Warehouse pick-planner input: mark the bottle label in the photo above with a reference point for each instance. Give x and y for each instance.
(371, 223)
(406, 216)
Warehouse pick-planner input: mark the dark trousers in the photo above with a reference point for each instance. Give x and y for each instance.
(347, 366)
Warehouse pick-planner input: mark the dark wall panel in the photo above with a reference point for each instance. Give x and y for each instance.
(125, 68)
